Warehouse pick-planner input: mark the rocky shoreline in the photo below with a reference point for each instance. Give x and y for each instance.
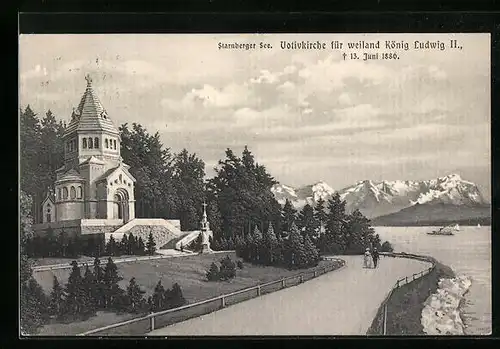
(441, 313)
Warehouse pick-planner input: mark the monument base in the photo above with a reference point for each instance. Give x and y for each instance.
(205, 249)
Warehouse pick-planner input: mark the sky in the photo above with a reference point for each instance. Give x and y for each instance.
(307, 115)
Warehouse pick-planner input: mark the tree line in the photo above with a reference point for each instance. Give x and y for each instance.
(63, 246)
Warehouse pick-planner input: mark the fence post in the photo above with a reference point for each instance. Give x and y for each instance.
(385, 320)
(152, 322)
(397, 284)
(283, 283)
(406, 278)
(258, 290)
(222, 302)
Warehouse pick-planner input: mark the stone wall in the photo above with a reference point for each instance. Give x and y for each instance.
(161, 234)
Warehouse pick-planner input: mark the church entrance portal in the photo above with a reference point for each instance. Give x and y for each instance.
(120, 205)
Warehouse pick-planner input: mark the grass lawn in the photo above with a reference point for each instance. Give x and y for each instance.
(188, 271)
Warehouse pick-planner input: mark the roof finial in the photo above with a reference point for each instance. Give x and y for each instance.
(89, 80)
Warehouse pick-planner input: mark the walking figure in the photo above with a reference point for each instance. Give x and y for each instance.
(376, 257)
(367, 262)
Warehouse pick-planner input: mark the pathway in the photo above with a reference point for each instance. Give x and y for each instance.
(342, 302)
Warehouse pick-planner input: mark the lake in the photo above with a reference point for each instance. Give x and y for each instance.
(468, 252)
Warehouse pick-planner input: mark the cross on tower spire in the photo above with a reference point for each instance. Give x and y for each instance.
(89, 80)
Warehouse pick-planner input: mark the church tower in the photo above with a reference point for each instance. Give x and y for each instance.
(86, 187)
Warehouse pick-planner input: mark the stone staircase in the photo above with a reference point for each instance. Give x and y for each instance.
(186, 240)
(163, 230)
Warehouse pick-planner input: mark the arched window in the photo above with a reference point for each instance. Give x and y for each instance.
(114, 144)
(59, 193)
(96, 143)
(80, 192)
(120, 177)
(106, 143)
(72, 192)
(84, 143)
(65, 193)
(48, 214)
(90, 143)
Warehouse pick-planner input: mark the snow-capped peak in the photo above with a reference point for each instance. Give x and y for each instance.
(375, 198)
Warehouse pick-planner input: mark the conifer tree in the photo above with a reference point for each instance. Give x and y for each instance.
(213, 274)
(132, 244)
(100, 291)
(56, 298)
(335, 234)
(159, 297)
(249, 248)
(90, 290)
(289, 216)
(135, 296)
(307, 222)
(113, 292)
(124, 245)
(257, 245)
(312, 254)
(111, 247)
(271, 247)
(75, 297)
(141, 249)
(175, 298)
(295, 252)
(151, 245)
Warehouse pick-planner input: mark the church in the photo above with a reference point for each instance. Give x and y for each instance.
(94, 183)
(94, 190)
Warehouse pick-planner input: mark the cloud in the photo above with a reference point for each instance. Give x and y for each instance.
(36, 72)
(265, 77)
(329, 75)
(344, 99)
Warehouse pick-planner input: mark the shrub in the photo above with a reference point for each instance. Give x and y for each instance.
(239, 264)
(213, 272)
(386, 247)
(227, 269)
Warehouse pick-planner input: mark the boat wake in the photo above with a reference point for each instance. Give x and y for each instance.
(441, 313)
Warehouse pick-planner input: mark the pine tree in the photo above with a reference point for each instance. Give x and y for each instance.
(289, 217)
(113, 292)
(359, 233)
(135, 296)
(227, 269)
(56, 298)
(271, 247)
(124, 245)
(111, 246)
(151, 245)
(295, 252)
(74, 292)
(335, 239)
(213, 274)
(249, 249)
(132, 245)
(307, 222)
(175, 298)
(258, 241)
(89, 286)
(141, 249)
(159, 297)
(99, 287)
(312, 254)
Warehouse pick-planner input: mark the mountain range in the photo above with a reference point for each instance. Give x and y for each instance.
(380, 198)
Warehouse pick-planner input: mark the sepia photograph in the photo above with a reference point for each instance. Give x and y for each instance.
(255, 184)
